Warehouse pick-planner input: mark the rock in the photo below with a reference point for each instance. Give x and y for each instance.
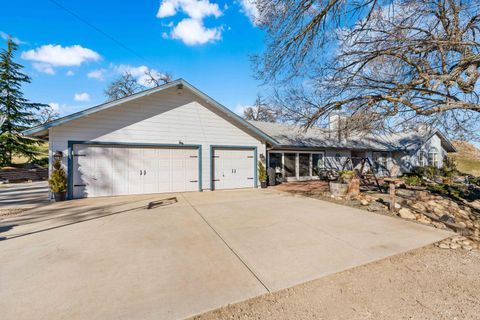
(364, 202)
(466, 242)
(444, 246)
(454, 246)
(418, 206)
(406, 214)
(437, 211)
(468, 248)
(447, 218)
(424, 220)
(462, 224)
(438, 225)
(397, 205)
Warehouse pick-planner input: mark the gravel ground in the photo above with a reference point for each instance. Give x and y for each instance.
(427, 283)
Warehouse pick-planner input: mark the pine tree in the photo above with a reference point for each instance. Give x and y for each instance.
(18, 110)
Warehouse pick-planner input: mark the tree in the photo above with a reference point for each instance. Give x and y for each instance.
(127, 84)
(408, 61)
(124, 86)
(261, 111)
(47, 114)
(18, 111)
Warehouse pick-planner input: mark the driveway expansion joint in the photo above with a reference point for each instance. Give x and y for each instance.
(228, 246)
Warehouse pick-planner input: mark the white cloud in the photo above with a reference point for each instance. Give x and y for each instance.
(193, 32)
(251, 11)
(50, 56)
(196, 9)
(43, 67)
(139, 73)
(98, 74)
(81, 97)
(55, 106)
(70, 73)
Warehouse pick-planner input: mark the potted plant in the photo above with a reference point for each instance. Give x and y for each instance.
(58, 181)
(262, 174)
(340, 187)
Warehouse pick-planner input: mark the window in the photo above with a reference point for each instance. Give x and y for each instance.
(380, 160)
(304, 164)
(422, 159)
(290, 165)
(317, 163)
(275, 162)
(433, 157)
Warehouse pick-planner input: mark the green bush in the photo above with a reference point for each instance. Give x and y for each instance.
(262, 172)
(428, 172)
(345, 176)
(58, 178)
(449, 168)
(413, 180)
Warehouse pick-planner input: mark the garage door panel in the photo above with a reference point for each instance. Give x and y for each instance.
(233, 168)
(112, 170)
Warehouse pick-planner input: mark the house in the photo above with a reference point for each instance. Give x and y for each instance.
(176, 138)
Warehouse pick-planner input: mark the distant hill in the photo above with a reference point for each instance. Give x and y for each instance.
(467, 158)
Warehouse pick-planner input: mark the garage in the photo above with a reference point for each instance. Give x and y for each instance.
(233, 167)
(110, 170)
(170, 138)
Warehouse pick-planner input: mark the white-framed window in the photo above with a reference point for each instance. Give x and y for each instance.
(433, 157)
(318, 163)
(297, 164)
(423, 158)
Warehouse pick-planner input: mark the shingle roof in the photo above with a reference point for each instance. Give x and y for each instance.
(289, 135)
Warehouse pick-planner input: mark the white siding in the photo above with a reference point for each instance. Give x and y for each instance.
(161, 118)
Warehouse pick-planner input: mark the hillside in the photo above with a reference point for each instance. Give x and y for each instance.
(467, 158)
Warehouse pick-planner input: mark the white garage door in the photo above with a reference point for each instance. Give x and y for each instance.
(233, 168)
(111, 170)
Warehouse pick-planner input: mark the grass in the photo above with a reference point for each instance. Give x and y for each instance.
(43, 153)
(470, 166)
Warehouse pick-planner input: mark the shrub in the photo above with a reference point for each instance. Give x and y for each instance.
(449, 168)
(428, 172)
(413, 180)
(262, 172)
(58, 178)
(345, 176)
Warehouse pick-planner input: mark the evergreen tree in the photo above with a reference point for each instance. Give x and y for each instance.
(18, 110)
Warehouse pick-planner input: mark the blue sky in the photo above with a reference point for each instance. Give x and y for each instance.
(206, 42)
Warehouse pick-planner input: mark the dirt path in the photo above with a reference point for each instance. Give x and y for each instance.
(428, 283)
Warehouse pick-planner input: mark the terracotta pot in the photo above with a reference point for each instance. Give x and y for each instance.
(263, 184)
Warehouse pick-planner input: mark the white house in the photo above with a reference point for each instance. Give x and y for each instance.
(176, 138)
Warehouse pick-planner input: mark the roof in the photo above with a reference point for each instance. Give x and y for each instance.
(43, 129)
(294, 136)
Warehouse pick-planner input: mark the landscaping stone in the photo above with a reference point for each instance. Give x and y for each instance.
(406, 214)
(364, 202)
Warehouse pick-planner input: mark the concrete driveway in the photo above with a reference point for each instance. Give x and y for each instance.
(23, 195)
(110, 258)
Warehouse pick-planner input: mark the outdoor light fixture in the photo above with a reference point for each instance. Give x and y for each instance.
(58, 155)
(179, 88)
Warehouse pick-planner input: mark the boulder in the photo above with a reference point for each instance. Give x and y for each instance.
(364, 202)
(406, 214)
(447, 218)
(444, 246)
